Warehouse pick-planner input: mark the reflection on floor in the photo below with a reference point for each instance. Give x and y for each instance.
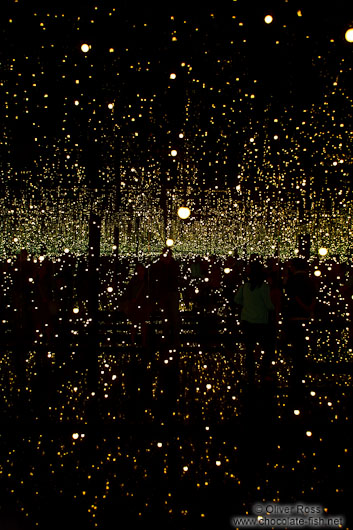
(168, 437)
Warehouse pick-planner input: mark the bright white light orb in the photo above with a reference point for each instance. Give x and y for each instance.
(174, 152)
(172, 76)
(184, 212)
(169, 242)
(317, 273)
(66, 250)
(349, 35)
(268, 19)
(75, 310)
(309, 433)
(181, 135)
(85, 48)
(75, 436)
(322, 251)
(227, 270)
(110, 289)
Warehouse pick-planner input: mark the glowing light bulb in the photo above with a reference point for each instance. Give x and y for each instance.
(85, 48)
(309, 433)
(75, 436)
(75, 310)
(174, 152)
(172, 76)
(349, 35)
(317, 273)
(169, 242)
(184, 212)
(227, 270)
(322, 251)
(268, 19)
(110, 289)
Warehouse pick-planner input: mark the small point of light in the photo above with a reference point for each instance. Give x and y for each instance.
(227, 270)
(110, 289)
(309, 433)
(75, 436)
(85, 48)
(159, 444)
(218, 463)
(66, 250)
(174, 152)
(172, 76)
(75, 310)
(110, 105)
(181, 135)
(297, 412)
(268, 19)
(169, 242)
(322, 251)
(317, 273)
(184, 212)
(185, 468)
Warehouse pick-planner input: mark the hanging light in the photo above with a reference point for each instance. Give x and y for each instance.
(184, 212)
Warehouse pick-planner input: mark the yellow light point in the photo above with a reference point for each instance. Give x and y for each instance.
(75, 436)
(349, 35)
(184, 212)
(322, 251)
(111, 50)
(169, 242)
(85, 48)
(66, 250)
(172, 76)
(299, 13)
(309, 433)
(218, 463)
(75, 310)
(181, 135)
(317, 273)
(185, 468)
(174, 152)
(110, 289)
(297, 412)
(268, 19)
(227, 270)
(110, 105)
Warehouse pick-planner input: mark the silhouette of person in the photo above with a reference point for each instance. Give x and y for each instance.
(255, 301)
(136, 303)
(164, 276)
(299, 308)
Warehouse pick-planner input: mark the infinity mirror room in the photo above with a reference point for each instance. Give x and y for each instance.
(176, 274)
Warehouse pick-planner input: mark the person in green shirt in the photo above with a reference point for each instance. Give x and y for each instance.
(255, 301)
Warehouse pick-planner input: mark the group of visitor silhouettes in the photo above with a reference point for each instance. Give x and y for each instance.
(261, 298)
(40, 294)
